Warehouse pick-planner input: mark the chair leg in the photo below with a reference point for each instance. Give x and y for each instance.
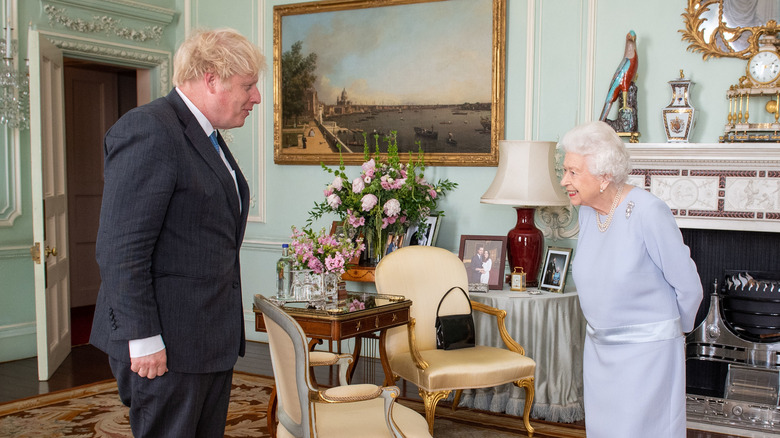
(528, 385)
(456, 400)
(430, 400)
(271, 413)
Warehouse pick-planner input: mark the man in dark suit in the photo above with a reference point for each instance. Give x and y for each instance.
(169, 313)
(475, 267)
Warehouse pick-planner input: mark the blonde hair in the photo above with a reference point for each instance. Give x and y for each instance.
(604, 152)
(224, 52)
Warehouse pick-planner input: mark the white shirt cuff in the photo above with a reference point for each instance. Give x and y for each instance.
(147, 346)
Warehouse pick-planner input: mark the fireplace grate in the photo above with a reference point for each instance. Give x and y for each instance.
(732, 377)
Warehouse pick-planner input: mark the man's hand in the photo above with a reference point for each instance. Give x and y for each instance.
(150, 366)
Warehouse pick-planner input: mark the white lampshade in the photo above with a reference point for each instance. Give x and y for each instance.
(525, 175)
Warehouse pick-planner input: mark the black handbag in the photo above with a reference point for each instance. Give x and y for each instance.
(454, 331)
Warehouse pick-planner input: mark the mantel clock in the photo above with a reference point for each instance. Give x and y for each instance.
(761, 83)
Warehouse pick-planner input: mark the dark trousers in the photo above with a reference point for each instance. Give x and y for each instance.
(174, 404)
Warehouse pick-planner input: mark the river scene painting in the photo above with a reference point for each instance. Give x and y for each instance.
(421, 71)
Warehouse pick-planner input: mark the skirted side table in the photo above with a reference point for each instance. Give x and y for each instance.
(551, 328)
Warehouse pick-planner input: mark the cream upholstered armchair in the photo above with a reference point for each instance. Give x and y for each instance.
(342, 411)
(423, 274)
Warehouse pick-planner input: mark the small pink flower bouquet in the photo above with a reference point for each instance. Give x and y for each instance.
(356, 305)
(321, 252)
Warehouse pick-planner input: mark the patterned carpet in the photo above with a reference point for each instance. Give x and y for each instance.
(95, 411)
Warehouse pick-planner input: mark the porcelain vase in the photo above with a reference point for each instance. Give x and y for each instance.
(679, 115)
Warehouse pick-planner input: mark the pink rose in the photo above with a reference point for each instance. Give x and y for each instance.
(368, 202)
(392, 207)
(369, 167)
(358, 185)
(334, 201)
(338, 183)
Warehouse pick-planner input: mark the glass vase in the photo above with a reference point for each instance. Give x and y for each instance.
(307, 285)
(375, 241)
(330, 283)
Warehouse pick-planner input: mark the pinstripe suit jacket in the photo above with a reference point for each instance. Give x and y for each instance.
(168, 243)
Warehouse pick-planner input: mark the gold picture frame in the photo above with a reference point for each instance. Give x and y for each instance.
(323, 123)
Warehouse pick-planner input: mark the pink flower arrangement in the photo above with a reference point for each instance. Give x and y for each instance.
(386, 198)
(321, 252)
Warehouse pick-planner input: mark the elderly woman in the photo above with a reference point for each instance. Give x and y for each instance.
(638, 288)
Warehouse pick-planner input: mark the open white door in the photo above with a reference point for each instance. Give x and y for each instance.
(50, 204)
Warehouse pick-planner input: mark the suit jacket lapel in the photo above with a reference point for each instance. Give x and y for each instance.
(243, 187)
(202, 144)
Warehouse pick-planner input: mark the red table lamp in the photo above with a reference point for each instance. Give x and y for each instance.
(526, 179)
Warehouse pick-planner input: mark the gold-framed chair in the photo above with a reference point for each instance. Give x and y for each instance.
(342, 411)
(423, 274)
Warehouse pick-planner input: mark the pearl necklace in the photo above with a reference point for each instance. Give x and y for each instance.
(603, 226)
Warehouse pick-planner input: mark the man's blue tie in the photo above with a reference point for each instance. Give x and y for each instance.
(213, 138)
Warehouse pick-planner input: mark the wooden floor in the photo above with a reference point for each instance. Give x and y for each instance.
(86, 364)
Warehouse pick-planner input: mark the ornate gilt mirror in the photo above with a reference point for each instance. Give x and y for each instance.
(729, 28)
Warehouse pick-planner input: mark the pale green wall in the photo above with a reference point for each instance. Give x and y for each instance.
(556, 102)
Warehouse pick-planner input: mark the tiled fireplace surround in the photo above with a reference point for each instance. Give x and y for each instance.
(726, 198)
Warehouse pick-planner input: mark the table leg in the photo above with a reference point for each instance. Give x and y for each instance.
(389, 379)
(355, 357)
(271, 413)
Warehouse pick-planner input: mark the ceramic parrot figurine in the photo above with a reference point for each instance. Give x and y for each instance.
(624, 75)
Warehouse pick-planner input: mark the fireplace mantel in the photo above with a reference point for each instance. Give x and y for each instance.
(713, 186)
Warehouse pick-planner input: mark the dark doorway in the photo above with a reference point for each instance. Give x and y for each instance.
(96, 95)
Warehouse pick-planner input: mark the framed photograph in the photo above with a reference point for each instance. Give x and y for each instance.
(425, 233)
(347, 73)
(394, 241)
(554, 269)
(336, 228)
(485, 258)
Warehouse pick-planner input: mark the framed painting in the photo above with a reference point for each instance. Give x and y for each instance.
(424, 233)
(484, 258)
(556, 265)
(349, 73)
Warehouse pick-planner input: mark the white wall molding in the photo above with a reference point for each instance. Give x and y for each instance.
(14, 330)
(14, 252)
(260, 126)
(17, 341)
(10, 167)
(530, 57)
(126, 8)
(114, 53)
(265, 245)
(151, 20)
(590, 62)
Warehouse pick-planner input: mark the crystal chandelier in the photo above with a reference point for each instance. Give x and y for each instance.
(14, 86)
